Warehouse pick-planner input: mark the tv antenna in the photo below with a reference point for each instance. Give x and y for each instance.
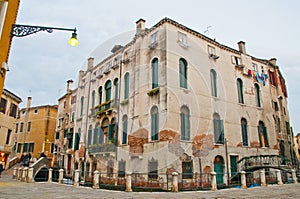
(207, 30)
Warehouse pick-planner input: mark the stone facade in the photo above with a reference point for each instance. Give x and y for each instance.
(35, 130)
(65, 138)
(183, 102)
(9, 108)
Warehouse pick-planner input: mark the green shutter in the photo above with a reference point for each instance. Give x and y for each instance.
(216, 133)
(221, 132)
(182, 126)
(100, 135)
(155, 73)
(187, 126)
(110, 128)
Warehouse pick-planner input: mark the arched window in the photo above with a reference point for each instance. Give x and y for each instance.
(112, 130)
(108, 90)
(183, 73)
(240, 90)
(90, 132)
(154, 73)
(125, 124)
(213, 82)
(244, 131)
(257, 95)
(185, 123)
(126, 89)
(262, 134)
(218, 129)
(93, 102)
(81, 105)
(104, 128)
(116, 84)
(154, 123)
(100, 94)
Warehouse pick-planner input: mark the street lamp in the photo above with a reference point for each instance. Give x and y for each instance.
(25, 30)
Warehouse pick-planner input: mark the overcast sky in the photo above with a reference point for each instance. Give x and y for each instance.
(41, 64)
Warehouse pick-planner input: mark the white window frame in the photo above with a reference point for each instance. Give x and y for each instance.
(3, 9)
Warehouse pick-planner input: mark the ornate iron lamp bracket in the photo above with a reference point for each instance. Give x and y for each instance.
(25, 30)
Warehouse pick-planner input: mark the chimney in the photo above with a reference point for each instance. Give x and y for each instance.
(140, 26)
(242, 47)
(28, 102)
(90, 63)
(69, 85)
(273, 61)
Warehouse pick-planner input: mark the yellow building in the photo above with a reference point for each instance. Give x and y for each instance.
(35, 130)
(8, 112)
(8, 14)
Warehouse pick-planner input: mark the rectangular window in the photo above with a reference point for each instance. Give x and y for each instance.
(21, 127)
(19, 148)
(35, 111)
(13, 110)
(219, 131)
(73, 99)
(57, 135)
(17, 127)
(236, 60)
(73, 117)
(90, 137)
(3, 105)
(254, 65)
(124, 138)
(276, 108)
(70, 138)
(31, 147)
(154, 37)
(65, 133)
(28, 126)
(187, 170)
(211, 50)
(244, 134)
(152, 167)
(182, 39)
(76, 143)
(8, 136)
(287, 125)
(25, 147)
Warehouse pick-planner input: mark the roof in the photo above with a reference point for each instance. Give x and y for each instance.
(11, 95)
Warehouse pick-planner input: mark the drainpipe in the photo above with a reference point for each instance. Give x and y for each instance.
(227, 168)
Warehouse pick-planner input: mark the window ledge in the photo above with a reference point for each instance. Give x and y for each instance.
(259, 108)
(124, 102)
(242, 104)
(219, 144)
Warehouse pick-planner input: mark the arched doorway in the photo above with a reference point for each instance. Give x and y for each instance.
(219, 169)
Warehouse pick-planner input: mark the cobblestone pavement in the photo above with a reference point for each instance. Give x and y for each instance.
(10, 189)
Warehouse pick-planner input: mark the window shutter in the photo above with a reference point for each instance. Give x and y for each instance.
(221, 131)
(110, 132)
(215, 130)
(76, 144)
(187, 127)
(233, 59)
(100, 135)
(182, 124)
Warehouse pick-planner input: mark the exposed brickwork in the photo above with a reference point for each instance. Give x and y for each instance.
(202, 144)
(170, 136)
(137, 140)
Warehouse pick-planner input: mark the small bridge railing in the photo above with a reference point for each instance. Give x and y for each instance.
(262, 161)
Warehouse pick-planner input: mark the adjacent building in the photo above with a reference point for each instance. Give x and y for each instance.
(9, 107)
(35, 130)
(173, 99)
(64, 156)
(8, 14)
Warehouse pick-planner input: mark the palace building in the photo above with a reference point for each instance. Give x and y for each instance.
(173, 99)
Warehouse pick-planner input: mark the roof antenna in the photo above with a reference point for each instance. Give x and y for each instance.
(207, 30)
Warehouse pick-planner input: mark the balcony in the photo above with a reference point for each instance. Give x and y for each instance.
(102, 148)
(104, 108)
